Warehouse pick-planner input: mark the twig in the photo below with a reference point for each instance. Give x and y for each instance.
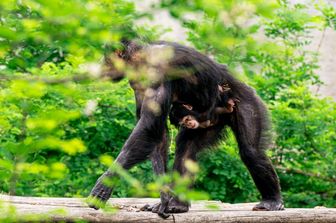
(304, 173)
(321, 40)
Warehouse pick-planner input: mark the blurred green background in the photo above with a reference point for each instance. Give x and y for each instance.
(59, 123)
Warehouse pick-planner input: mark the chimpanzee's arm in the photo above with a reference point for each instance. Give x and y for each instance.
(147, 135)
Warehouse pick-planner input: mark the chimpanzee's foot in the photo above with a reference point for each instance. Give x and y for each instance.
(269, 205)
(100, 193)
(177, 206)
(174, 206)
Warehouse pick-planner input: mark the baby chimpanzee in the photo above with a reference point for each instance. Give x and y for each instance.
(186, 117)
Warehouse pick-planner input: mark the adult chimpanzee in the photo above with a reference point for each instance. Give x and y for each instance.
(189, 77)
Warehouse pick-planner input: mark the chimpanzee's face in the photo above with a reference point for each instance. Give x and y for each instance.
(113, 66)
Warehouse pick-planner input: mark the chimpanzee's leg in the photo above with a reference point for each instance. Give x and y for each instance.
(147, 135)
(159, 156)
(189, 142)
(250, 127)
(159, 159)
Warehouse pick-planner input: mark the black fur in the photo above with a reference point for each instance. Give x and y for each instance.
(178, 111)
(197, 86)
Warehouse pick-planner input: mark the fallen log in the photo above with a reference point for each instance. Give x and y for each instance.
(46, 209)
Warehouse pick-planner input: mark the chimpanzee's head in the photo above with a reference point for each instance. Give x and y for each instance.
(139, 62)
(115, 61)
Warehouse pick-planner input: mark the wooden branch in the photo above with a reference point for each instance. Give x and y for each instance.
(304, 173)
(49, 80)
(36, 209)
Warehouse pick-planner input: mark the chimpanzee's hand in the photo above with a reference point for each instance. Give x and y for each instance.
(100, 192)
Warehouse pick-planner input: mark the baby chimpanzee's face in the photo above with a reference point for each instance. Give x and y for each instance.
(189, 122)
